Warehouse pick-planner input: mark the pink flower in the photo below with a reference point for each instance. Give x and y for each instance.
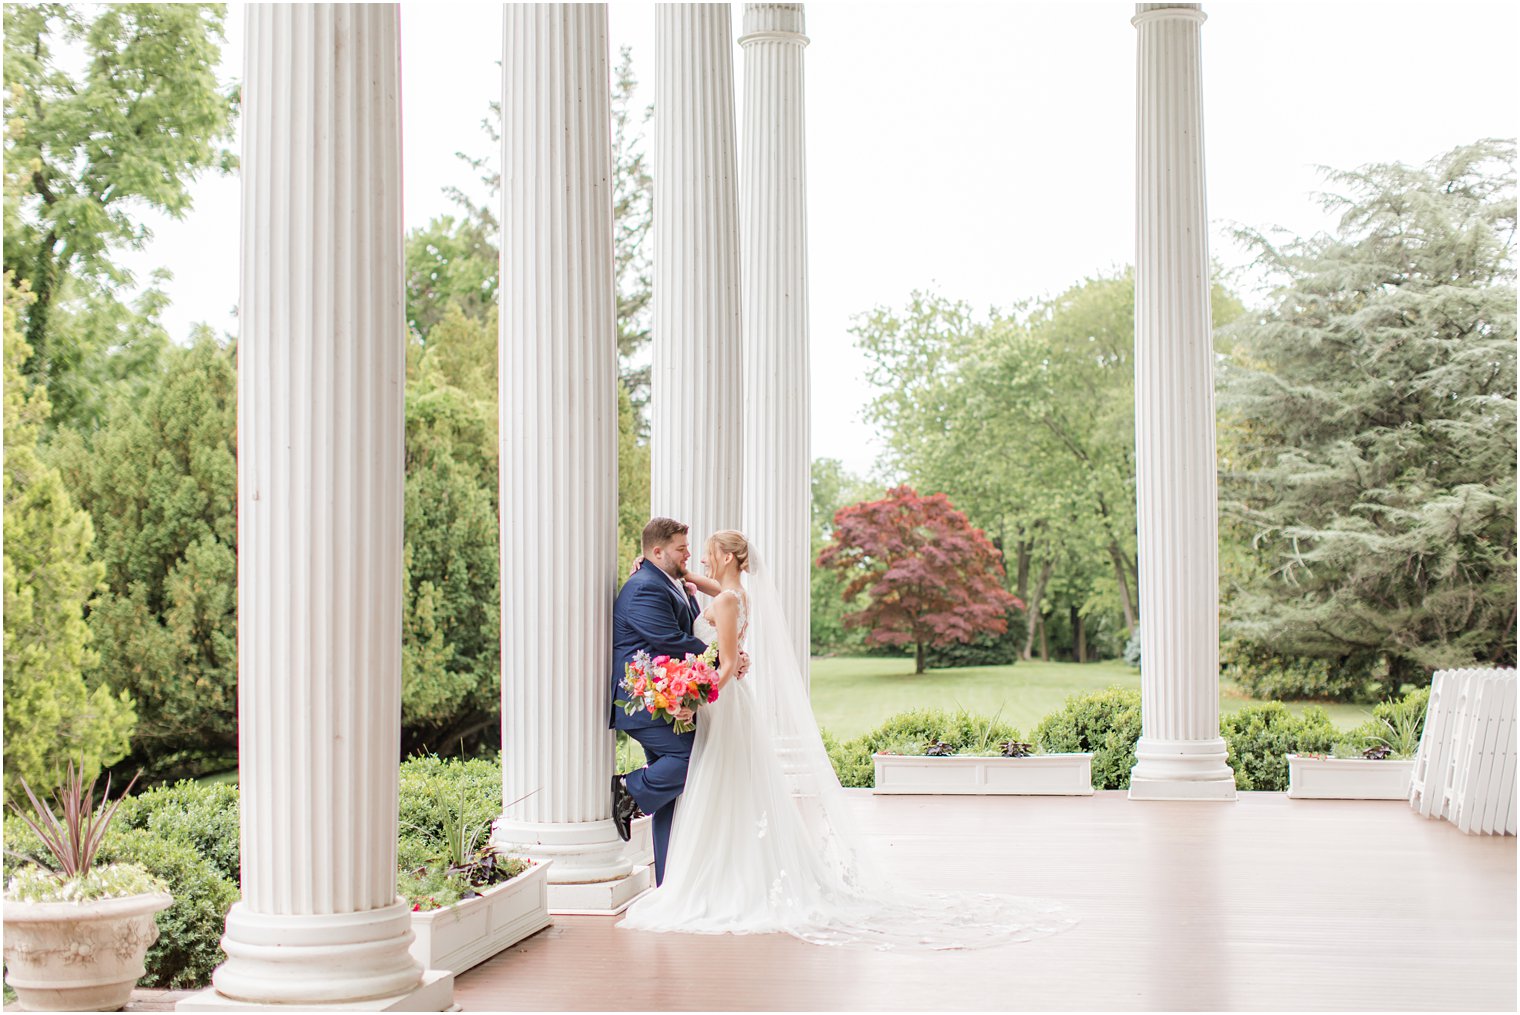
(712, 695)
(660, 660)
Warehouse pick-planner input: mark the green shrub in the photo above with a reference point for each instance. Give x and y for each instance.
(431, 789)
(203, 816)
(1107, 723)
(1260, 737)
(1266, 676)
(908, 732)
(851, 760)
(190, 931)
(1397, 722)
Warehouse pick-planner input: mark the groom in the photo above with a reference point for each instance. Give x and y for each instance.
(654, 614)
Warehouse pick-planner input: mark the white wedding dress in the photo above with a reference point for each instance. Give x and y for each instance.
(761, 841)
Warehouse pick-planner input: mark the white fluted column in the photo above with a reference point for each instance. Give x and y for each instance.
(558, 372)
(1180, 754)
(321, 367)
(773, 217)
(696, 411)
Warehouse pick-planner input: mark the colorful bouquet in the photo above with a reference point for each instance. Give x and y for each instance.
(663, 685)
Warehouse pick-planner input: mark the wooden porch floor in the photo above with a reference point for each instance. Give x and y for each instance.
(1266, 903)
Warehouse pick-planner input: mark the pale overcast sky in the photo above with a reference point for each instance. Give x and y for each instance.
(985, 150)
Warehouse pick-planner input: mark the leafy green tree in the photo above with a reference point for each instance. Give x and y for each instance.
(833, 488)
(1026, 420)
(452, 263)
(1372, 408)
(104, 352)
(85, 151)
(52, 714)
(160, 482)
(632, 216)
(633, 482)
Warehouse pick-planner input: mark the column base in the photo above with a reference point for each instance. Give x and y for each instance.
(1181, 770)
(1171, 789)
(434, 993)
(319, 958)
(582, 851)
(600, 898)
(639, 849)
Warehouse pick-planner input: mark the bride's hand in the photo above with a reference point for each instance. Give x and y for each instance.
(638, 562)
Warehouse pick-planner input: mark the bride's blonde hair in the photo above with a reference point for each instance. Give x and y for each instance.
(730, 541)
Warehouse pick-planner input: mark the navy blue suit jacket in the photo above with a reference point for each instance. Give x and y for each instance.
(649, 615)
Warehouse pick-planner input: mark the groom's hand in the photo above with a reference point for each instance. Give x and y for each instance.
(743, 667)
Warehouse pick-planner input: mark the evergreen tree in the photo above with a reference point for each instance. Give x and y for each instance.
(451, 648)
(52, 715)
(160, 481)
(1370, 458)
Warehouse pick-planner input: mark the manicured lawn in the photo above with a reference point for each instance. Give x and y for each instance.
(855, 694)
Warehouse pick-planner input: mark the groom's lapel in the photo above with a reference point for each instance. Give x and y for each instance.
(688, 607)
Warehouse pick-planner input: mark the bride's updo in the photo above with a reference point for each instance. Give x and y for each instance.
(731, 541)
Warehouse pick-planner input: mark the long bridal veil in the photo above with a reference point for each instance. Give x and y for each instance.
(855, 900)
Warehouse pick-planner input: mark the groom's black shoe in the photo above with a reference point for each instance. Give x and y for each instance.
(624, 810)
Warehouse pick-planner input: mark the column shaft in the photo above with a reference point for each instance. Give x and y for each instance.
(321, 368)
(558, 375)
(1180, 754)
(696, 394)
(773, 213)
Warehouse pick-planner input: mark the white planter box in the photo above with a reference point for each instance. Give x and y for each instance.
(1348, 778)
(469, 932)
(1038, 775)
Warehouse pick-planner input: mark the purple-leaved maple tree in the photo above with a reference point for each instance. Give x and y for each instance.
(931, 578)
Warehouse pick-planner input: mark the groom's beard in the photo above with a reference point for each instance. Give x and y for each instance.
(675, 571)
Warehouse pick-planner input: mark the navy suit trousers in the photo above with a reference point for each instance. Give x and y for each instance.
(656, 786)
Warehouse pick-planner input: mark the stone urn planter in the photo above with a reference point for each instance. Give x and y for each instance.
(968, 775)
(470, 931)
(1312, 777)
(79, 956)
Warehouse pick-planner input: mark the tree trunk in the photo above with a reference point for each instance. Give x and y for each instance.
(1121, 573)
(1032, 610)
(1044, 642)
(1021, 581)
(918, 664)
(42, 282)
(1078, 636)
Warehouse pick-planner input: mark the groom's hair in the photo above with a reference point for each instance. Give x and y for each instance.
(660, 531)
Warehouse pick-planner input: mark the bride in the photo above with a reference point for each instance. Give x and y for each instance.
(762, 840)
